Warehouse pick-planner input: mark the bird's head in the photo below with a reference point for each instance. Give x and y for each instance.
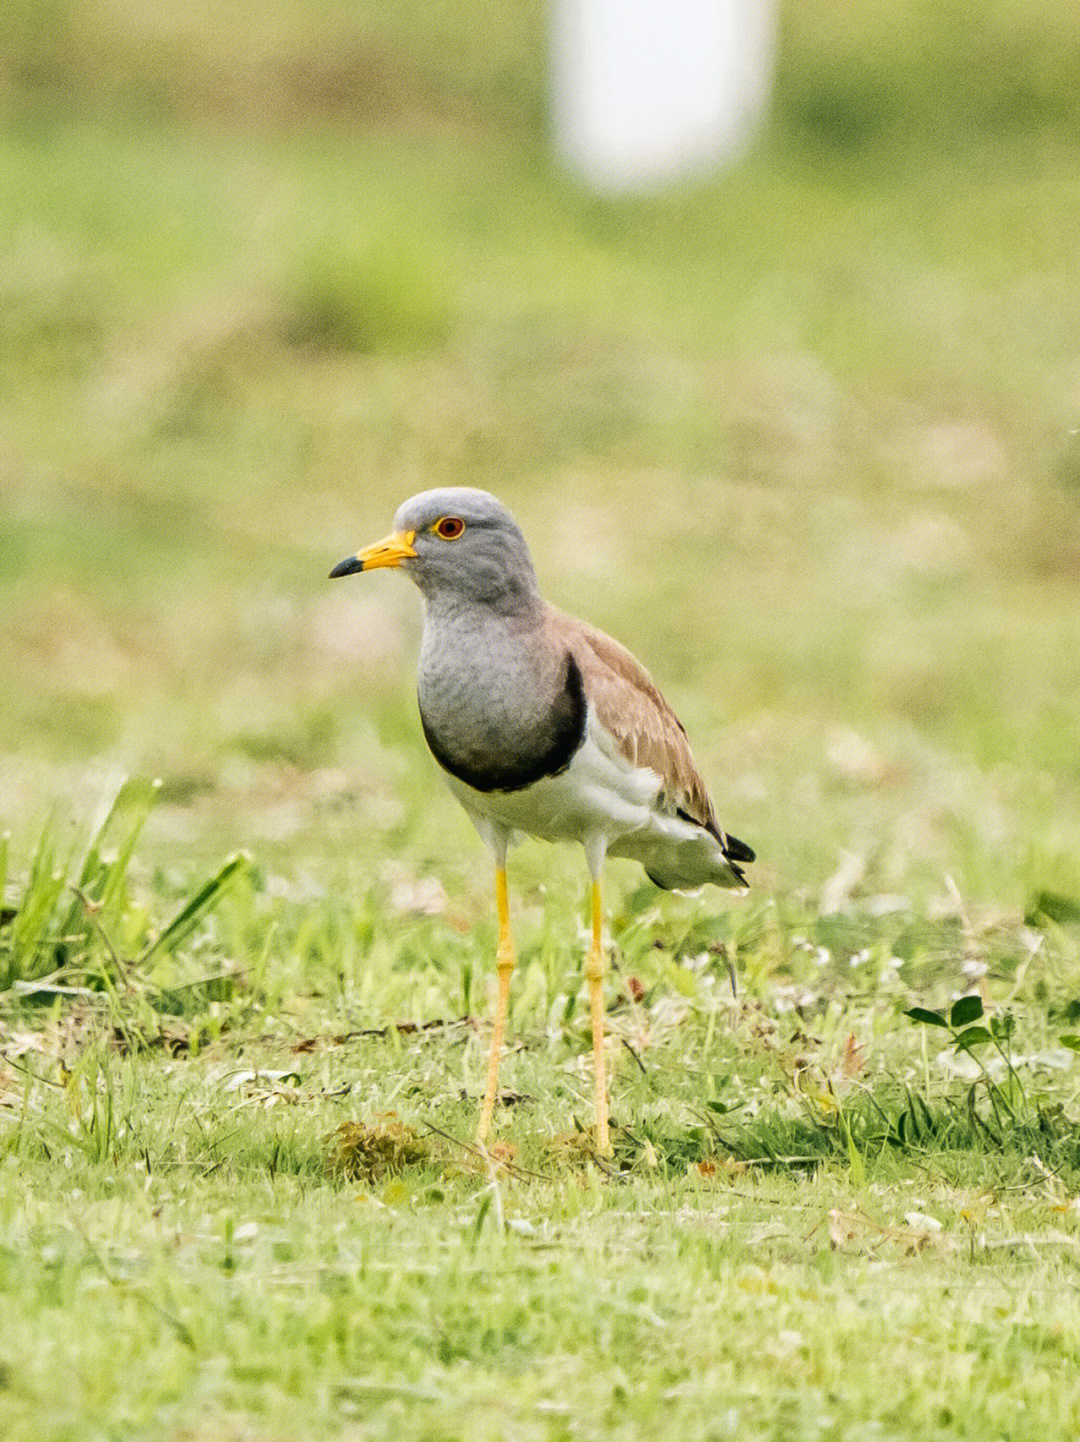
(455, 542)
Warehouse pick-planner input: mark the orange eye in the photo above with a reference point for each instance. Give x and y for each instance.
(449, 528)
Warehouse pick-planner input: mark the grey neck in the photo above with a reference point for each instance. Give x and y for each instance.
(487, 587)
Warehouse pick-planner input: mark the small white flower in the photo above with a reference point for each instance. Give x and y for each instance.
(920, 1222)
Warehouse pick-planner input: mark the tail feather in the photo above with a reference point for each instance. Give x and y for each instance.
(736, 850)
(677, 861)
(729, 876)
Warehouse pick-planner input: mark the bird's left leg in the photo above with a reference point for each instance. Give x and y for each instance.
(595, 969)
(504, 960)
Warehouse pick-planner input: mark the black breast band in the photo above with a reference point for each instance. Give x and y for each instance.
(564, 734)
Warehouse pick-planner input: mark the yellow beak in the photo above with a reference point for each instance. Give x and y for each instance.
(389, 552)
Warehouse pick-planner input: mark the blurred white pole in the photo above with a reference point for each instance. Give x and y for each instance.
(648, 90)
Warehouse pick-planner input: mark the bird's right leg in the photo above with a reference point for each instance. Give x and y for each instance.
(504, 962)
(595, 968)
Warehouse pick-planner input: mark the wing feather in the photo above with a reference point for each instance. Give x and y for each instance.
(631, 708)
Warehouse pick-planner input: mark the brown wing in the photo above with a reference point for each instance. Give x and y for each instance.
(646, 730)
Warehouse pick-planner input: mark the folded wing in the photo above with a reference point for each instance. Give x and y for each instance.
(629, 706)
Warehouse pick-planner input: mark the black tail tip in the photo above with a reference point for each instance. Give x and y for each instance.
(736, 850)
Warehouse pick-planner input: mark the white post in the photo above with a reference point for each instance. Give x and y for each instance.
(649, 90)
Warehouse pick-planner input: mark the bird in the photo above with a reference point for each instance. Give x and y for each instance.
(545, 727)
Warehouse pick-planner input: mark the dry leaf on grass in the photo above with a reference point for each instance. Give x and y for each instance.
(854, 1062)
(719, 1167)
(360, 1152)
(844, 1227)
(570, 1147)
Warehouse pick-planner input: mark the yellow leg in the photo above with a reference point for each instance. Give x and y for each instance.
(505, 958)
(594, 970)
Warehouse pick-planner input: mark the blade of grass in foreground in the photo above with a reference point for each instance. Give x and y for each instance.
(37, 907)
(134, 802)
(108, 856)
(204, 900)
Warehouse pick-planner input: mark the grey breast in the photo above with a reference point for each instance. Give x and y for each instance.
(500, 708)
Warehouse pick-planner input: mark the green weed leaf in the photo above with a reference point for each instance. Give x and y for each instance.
(927, 1018)
(973, 1037)
(1051, 906)
(967, 1009)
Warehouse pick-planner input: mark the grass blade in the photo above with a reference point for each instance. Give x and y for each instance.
(103, 880)
(37, 908)
(204, 901)
(134, 802)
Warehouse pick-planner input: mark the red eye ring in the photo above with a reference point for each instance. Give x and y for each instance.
(449, 528)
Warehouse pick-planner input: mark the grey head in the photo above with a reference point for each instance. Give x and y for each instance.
(457, 544)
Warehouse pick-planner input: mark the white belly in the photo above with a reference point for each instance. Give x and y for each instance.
(598, 795)
(608, 805)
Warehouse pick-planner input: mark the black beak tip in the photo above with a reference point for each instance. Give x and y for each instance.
(348, 567)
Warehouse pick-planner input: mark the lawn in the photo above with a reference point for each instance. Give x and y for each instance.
(803, 435)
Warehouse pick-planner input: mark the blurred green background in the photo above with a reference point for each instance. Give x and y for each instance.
(802, 434)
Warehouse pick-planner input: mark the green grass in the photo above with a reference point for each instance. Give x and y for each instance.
(181, 1257)
(802, 435)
